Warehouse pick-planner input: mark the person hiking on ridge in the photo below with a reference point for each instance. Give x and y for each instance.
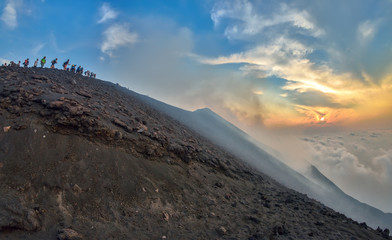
(65, 64)
(53, 63)
(73, 68)
(18, 64)
(26, 63)
(36, 63)
(43, 61)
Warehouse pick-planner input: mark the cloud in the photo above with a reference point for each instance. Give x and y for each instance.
(117, 35)
(337, 157)
(287, 58)
(37, 48)
(53, 43)
(106, 13)
(367, 30)
(281, 52)
(3, 60)
(244, 19)
(9, 16)
(384, 163)
(357, 44)
(312, 98)
(231, 98)
(283, 58)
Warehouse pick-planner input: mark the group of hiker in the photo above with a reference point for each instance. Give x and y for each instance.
(73, 68)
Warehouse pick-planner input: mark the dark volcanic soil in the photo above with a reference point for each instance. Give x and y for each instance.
(80, 159)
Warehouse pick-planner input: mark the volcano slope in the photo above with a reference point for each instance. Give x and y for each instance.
(80, 159)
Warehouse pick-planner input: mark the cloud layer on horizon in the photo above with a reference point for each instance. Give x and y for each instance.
(360, 163)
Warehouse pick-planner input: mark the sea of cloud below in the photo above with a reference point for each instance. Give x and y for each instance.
(360, 163)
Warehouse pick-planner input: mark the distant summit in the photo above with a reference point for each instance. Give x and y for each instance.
(81, 158)
(316, 175)
(206, 111)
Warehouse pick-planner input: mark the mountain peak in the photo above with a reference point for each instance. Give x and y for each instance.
(206, 110)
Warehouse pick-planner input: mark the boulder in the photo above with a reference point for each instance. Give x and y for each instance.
(68, 234)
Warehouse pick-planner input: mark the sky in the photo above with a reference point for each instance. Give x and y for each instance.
(314, 67)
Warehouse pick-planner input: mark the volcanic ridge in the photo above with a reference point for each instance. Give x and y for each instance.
(82, 158)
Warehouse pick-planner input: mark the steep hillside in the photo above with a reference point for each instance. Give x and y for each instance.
(314, 184)
(82, 159)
